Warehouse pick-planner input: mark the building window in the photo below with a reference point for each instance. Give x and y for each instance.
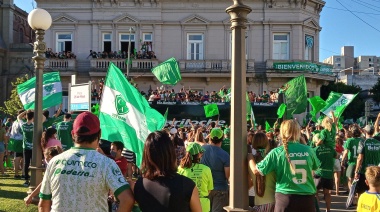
(147, 44)
(370, 65)
(309, 47)
(107, 42)
(124, 42)
(369, 59)
(281, 46)
(338, 64)
(194, 46)
(337, 59)
(64, 42)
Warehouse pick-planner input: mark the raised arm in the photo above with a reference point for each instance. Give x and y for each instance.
(58, 111)
(377, 123)
(21, 115)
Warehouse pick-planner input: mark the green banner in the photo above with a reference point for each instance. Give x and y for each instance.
(303, 66)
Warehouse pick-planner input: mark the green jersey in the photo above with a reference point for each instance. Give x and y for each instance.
(27, 132)
(370, 149)
(226, 145)
(351, 146)
(328, 137)
(64, 134)
(48, 123)
(303, 159)
(201, 175)
(326, 155)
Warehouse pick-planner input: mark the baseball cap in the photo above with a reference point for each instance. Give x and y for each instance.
(86, 123)
(216, 132)
(173, 131)
(368, 128)
(194, 148)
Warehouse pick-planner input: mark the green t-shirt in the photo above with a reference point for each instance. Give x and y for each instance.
(352, 145)
(326, 155)
(48, 123)
(370, 149)
(27, 132)
(64, 134)
(328, 137)
(202, 177)
(304, 161)
(226, 145)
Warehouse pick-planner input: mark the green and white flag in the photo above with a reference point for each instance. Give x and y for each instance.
(168, 72)
(296, 96)
(337, 102)
(52, 91)
(125, 115)
(361, 121)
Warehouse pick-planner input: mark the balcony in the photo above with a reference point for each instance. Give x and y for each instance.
(203, 66)
(137, 65)
(61, 64)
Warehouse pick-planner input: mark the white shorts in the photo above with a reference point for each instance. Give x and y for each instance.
(337, 167)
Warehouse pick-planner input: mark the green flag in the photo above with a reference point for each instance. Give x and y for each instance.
(125, 115)
(168, 72)
(166, 114)
(337, 102)
(267, 126)
(52, 91)
(317, 103)
(361, 121)
(281, 110)
(296, 96)
(211, 110)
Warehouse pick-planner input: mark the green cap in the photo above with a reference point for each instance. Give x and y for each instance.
(216, 132)
(194, 148)
(226, 131)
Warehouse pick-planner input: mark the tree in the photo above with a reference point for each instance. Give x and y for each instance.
(13, 104)
(375, 91)
(356, 108)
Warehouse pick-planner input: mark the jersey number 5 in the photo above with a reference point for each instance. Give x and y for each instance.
(299, 171)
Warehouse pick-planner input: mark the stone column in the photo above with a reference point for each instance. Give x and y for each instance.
(238, 164)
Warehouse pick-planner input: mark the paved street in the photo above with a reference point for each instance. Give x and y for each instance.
(338, 203)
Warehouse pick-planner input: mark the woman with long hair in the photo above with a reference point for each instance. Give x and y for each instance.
(293, 164)
(264, 185)
(3, 150)
(327, 135)
(49, 139)
(199, 139)
(201, 175)
(160, 188)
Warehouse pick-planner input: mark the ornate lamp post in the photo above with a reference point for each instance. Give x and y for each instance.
(39, 20)
(129, 51)
(238, 182)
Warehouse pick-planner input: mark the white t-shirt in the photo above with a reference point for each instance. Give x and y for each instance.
(79, 180)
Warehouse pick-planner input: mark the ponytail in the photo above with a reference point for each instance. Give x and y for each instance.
(285, 143)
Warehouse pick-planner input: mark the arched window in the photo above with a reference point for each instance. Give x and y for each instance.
(21, 34)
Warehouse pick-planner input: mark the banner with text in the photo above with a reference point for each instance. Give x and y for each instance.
(303, 66)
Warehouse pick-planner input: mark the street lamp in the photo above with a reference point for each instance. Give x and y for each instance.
(39, 20)
(238, 178)
(129, 51)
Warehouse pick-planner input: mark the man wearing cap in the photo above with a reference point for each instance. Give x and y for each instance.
(80, 178)
(219, 162)
(368, 155)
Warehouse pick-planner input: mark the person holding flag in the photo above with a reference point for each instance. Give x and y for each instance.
(327, 135)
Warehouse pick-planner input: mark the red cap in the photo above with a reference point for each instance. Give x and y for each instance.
(86, 123)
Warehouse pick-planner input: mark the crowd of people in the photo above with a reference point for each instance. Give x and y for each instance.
(59, 55)
(188, 168)
(191, 95)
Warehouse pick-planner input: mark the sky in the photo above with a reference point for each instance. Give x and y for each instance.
(344, 23)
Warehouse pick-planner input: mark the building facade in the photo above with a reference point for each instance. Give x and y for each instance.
(282, 41)
(15, 51)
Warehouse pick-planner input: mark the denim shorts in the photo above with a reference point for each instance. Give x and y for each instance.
(2, 147)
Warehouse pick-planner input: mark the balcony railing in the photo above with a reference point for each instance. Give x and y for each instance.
(144, 64)
(210, 65)
(61, 64)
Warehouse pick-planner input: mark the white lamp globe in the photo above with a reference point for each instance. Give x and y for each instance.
(39, 19)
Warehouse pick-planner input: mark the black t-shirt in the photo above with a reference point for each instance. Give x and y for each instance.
(164, 194)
